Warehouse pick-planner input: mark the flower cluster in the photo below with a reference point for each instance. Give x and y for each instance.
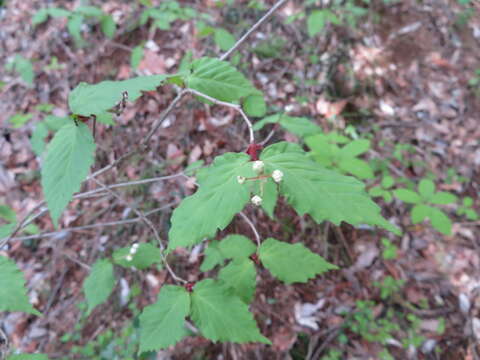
(133, 250)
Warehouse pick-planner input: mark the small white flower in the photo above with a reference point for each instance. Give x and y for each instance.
(134, 248)
(277, 176)
(241, 179)
(135, 245)
(256, 200)
(258, 166)
(129, 258)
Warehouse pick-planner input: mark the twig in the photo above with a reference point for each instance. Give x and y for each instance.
(235, 107)
(252, 226)
(253, 28)
(93, 226)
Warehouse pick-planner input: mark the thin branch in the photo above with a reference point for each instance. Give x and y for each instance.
(253, 28)
(235, 107)
(149, 224)
(252, 226)
(93, 226)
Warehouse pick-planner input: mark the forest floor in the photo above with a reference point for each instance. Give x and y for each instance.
(402, 76)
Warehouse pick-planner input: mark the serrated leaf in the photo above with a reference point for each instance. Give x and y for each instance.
(407, 196)
(224, 39)
(236, 247)
(324, 194)
(419, 213)
(87, 99)
(443, 198)
(213, 206)
(426, 188)
(221, 316)
(136, 56)
(212, 256)
(37, 141)
(240, 275)
(440, 221)
(254, 105)
(269, 198)
(69, 157)
(99, 283)
(292, 262)
(28, 357)
(299, 126)
(145, 256)
(108, 26)
(13, 294)
(163, 323)
(218, 79)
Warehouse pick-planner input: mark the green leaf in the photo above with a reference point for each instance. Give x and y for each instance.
(292, 263)
(13, 294)
(240, 275)
(219, 80)
(55, 123)
(221, 316)
(212, 256)
(213, 206)
(469, 213)
(299, 126)
(58, 12)
(28, 357)
(355, 148)
(108, 26)
(376, 191)
(270, 196)
(426, 188)
(37, 141)
(136, 56)
(467, 201)
(99, 283)
(407, 196)
(357, 167)
(317, 20)
(91, 11)
(69, 157)
(87, 99)
(40, 17)
(7, 213)
(18, 120)
(236, 247)
(24, 67)
(440, 221)
(163, 323)
(74, 26)
(254, 105)
(145, 256)
(419, 213)
(387, 182)
(224, 39)
(324, 194)
(443, 198)
(7, 229)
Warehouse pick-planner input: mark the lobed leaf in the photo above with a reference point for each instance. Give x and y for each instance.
(221, 316)
(13, 294)
(213, 206)
(163, 323)
(240, 276)
(324, 194)
(292, 263)
(99, 283)
(69, 157)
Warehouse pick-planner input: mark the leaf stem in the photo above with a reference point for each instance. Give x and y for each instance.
(252, 226)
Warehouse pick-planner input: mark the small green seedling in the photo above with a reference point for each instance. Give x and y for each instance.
(467, 209)
(389, 250)
(422, 205)
(23, 67)
(325, 150)
(383, 189)
(389, 286)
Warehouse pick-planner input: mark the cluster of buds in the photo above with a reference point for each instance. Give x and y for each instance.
(277, 176)
(258, 166)
(256, 200)
(133, 250)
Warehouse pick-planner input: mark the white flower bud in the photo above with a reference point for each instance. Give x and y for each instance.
(134, 248)
(135, 245)
(241, 179)
(258, 166)
(129, 258)
(256, 200)
(277, 176)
